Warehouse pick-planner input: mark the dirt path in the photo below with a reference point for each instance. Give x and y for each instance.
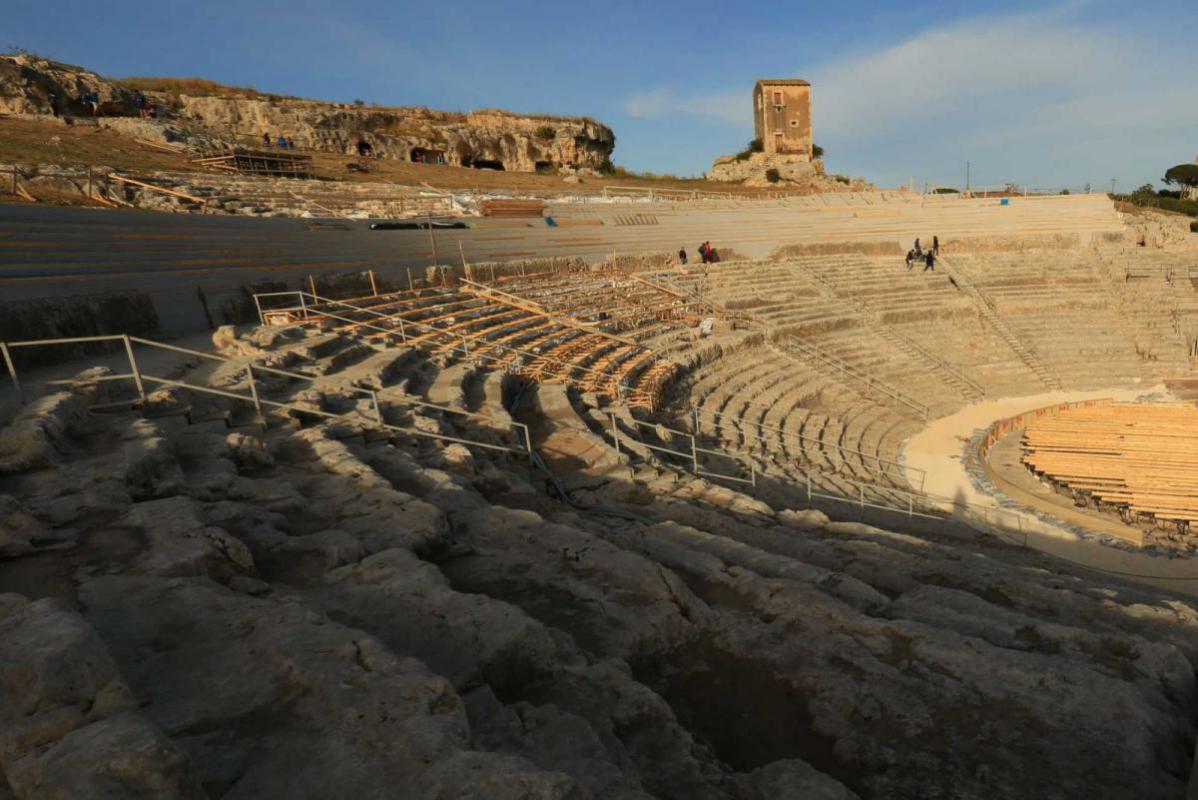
(939, 448)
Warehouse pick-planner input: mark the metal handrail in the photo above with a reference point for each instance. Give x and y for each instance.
(692, 454)
(847, 369)
(140, 377)
(889, 331)
(308, 311)
(917, 502)
(716, 416)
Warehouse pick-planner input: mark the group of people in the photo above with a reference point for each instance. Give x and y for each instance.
(706, 252)
(283, 143)
(422, 158)
(928, 257)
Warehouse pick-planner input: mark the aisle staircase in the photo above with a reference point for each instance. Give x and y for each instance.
(985, 305)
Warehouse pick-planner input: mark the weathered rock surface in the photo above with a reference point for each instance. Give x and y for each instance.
(33, 85)
(507, 141)
(69, 725)
(317, 611)
(487, 138)
(792, 172)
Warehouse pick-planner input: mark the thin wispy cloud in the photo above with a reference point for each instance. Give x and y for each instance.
(726, 107)
(1045, 94)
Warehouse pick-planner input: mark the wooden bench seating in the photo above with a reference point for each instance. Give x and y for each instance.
(1141, 457)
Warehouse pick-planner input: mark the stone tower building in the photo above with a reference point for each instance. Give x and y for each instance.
(782, 117)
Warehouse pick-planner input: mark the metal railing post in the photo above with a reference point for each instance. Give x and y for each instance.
(249, 372)
(809, 486)
(528, 440)
(258, 305)
(141, 390)
(12, 372)
(695, 454)
(615, 432)
(303, 305)
(374, 397)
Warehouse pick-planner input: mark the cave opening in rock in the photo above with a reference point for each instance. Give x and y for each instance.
(544, 167)
(486, 163)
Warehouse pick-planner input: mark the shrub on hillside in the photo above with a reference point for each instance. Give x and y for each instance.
(196, 87)
(754, 146)
(546, 132)
(1194, 226)
(772, 175)
(817, 151)
(945, 190)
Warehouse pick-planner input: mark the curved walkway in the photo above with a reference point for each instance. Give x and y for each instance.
(939, 449)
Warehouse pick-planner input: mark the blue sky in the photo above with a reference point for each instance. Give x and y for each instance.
(1041, 94)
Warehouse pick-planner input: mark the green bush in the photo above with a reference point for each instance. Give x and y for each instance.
(772, 175)
(1194, 226)
(755, 146)
(1187, 207)
(945, 190)
(607, 168)
(546, 132)
(1065, 191)
(817, 151)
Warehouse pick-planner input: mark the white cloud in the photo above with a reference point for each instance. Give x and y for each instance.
(733, 108)
(651, 103)
(1046, 97)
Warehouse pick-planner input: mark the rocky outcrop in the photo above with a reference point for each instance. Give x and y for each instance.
(33, 85)
(491, 139)
(792, 172)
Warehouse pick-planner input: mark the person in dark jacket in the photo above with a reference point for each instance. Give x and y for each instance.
(929, 261)
(682, 255)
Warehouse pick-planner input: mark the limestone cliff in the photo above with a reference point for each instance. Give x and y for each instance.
(32, 85)
(214, 114)
(490, 138)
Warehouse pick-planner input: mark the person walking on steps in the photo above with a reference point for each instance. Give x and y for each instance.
(936, 245)
(265, 139)
(910, 259)
(682, 255)
(929, 262)
(918, 252)
(703, 252)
